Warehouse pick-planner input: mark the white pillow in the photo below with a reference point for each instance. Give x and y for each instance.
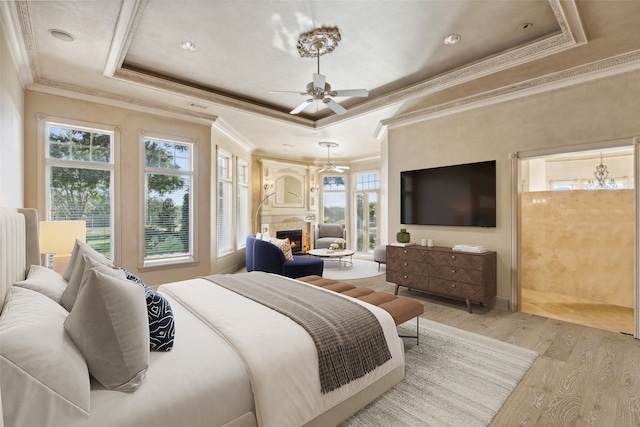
(109, 324)
(77, 270)
(78, 248)
(46, 281)
(45, 379)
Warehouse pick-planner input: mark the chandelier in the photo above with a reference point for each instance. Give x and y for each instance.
(601, 173)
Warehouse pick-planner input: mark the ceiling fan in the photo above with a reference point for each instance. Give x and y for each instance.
(330, 167)
(321, 41)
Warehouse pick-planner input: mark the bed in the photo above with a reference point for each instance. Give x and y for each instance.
(233, 362)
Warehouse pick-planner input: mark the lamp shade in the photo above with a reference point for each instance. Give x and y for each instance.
(60, 236)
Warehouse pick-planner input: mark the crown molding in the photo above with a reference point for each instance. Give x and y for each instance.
(119, 101)
(17, 27)
(607, 67)
(143, 79)
(224, 128)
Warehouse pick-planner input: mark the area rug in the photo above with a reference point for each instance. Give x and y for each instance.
(360, 268)
(453, 378)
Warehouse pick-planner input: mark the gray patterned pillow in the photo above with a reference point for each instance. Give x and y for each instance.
(108, 322)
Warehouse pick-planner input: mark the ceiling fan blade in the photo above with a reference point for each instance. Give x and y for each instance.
(288, 91)
(319, 80)
(343, 167)
(337, 108)
(301, 106)
(350, 92)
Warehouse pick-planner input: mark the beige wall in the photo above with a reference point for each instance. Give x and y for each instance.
(129, 201)
(579, 244)
(11, 130)
(600, 110)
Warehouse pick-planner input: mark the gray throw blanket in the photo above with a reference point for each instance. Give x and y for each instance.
(348, 337)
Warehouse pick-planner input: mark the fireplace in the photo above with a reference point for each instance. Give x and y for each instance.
(294, 236)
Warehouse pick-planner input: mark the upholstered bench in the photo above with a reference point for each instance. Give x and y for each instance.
(401, 309)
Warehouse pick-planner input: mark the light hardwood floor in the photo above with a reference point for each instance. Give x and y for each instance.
(582, 377)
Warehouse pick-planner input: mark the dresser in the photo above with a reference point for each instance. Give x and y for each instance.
(466, 276)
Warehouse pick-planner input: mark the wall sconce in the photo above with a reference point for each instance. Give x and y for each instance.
(268, 184)
(59, 238)
(314, 187)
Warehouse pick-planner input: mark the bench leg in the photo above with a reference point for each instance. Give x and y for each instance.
(417, 335)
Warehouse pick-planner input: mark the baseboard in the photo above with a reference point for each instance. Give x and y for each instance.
(501, 303)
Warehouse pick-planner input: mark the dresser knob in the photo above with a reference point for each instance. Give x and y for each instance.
(405, 251)
(453, 271)
(453, 285)
(405, 276)
(405, 264)
(453, 257)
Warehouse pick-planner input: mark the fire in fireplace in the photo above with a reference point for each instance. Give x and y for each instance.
(295, 237)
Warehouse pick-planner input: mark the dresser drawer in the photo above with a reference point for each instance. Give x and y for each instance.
(410, 254)
(405, 266)
(456, 289)
(407, 279)
(456, 274)
(456, 259)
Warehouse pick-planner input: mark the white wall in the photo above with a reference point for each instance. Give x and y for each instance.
(599, 110)
(11, 130)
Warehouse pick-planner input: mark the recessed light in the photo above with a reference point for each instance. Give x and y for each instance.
(62, 35)
(452, 39)
(188, 45)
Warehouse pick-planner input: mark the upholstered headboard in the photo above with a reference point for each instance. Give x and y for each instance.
(19, 246)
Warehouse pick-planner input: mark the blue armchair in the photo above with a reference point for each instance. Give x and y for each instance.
(265, 256)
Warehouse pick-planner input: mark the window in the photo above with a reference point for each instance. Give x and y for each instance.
(334, 199)
(168, 210)
(243, 203)
(563, 185)
(225, 203)
(366, 211)
(79, 170)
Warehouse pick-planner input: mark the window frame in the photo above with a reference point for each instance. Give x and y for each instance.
(344, 193)
(192, 255)
(228, 180)
(44, 164)
(242, 211)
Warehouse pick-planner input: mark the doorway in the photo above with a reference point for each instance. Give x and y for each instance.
(577, 237)
(366, 195)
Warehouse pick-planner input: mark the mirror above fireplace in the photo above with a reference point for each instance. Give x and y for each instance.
(288, 191)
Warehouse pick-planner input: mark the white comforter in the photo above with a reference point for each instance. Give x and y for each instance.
(279, 354)
(200, 382)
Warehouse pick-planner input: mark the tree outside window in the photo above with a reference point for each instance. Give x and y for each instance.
(79, 176)
(168, 181)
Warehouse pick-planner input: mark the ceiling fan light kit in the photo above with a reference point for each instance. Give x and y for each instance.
(315, 44)
(330, 167)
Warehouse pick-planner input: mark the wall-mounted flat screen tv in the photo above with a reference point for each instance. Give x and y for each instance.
(462, 195)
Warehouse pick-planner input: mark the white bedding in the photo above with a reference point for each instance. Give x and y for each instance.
(234, 363)
(200, 382)
(280, 356)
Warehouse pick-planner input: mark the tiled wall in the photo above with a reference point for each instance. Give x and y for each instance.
(579, 243)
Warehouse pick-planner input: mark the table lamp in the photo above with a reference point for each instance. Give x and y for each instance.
(58, 238)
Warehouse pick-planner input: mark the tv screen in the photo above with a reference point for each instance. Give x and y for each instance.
(451, 195)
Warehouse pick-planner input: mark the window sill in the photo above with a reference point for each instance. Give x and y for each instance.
(167, 265)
